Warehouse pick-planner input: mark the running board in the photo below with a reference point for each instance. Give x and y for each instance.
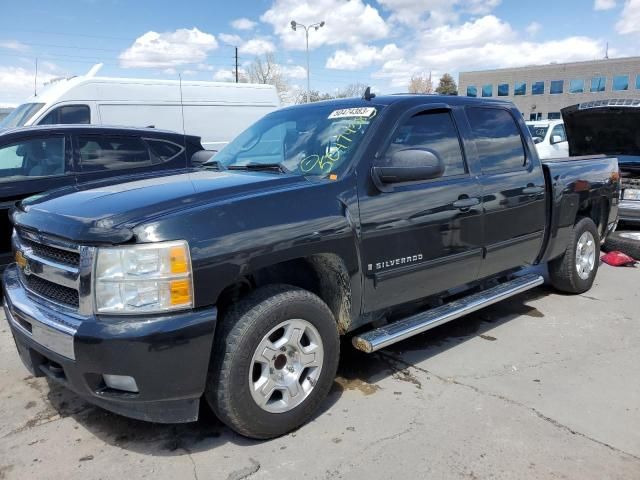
(394, 332)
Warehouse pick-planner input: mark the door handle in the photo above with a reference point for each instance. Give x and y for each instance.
(466, 203)
(532, 190)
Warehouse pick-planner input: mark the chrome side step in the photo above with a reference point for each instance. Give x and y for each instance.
(421, 322)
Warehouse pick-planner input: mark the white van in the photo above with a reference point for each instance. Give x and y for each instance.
(550, 138)
(214, 111)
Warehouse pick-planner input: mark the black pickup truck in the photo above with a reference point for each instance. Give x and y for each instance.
(233, 282)
(37, 159)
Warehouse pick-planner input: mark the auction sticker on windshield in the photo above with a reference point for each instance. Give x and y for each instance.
(353, 112)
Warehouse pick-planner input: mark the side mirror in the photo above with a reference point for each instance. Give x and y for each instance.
(21, 151)
(555, 139)
(202, 156)
(410, 165)
(537, 140)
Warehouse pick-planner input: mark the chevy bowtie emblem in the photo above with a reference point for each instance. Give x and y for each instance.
(22, 262)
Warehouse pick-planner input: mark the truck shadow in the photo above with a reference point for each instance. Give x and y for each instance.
(357, 371)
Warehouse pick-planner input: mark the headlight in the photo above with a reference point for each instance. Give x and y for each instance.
(154, 277)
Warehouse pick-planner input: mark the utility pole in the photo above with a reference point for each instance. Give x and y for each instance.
(236, 64)
(316, 26)
(35, 81)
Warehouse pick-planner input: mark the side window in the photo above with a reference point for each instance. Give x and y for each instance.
(559, 130)
(38, 157)
(434, 131)
(497, 138)
(102, 153)
(163, 149)
(68, 114)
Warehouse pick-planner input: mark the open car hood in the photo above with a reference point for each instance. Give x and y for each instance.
(607, 127)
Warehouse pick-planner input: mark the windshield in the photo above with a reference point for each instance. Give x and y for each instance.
(538, 130)
(313, 140)
(21, 115)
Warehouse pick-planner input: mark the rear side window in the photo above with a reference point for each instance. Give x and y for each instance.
(433, 131)
(102, 153)
(497, 138)
(68, 114)
(164, 150)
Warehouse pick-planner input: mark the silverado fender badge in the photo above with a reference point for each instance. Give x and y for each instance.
(394, 262)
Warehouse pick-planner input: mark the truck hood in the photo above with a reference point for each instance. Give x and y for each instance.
(107, 211)
(607, 127)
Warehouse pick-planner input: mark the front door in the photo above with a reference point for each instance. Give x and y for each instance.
(421, 238)
(30, 165)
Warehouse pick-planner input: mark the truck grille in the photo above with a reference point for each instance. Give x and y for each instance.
(54, 254)
(51, 269)
(52, 291)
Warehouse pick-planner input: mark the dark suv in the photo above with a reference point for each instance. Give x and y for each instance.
(36, 159)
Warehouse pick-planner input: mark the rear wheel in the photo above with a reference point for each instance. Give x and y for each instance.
(575, 270)
(274, 361)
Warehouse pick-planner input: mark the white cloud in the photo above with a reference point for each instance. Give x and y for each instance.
(230, 39)
(484, 43)
(629, 18)
(346, 22)
(223, 75)
(361, 56)
(604, 4)
(533, 28)
(17, 82)
(168, 49)
(435, 12)
(243, 24)
(257, 46)
(293, 71)
(14, 45)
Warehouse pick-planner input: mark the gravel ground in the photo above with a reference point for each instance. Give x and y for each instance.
(540, 386)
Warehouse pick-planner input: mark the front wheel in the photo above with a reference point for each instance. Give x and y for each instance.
(575, 270)
(274, 361)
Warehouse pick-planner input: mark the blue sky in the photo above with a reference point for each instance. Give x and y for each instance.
(377, 42)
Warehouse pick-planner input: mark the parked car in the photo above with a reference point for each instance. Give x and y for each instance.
(214, 111)
(610, 127)
(550, 138)
(36, 159)
(377, 217)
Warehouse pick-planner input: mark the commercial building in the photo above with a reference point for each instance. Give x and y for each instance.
(541, 91)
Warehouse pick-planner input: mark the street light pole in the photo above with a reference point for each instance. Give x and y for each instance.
(316, 26)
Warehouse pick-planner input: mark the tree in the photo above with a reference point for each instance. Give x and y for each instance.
(447, 85)
(352, 90)
(421, 84)
(265, 70)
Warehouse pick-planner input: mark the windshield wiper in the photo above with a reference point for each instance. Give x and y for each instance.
(273, 167)
(213, 164)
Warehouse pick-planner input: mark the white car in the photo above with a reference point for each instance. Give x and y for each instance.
(215, 111)
(550, 138)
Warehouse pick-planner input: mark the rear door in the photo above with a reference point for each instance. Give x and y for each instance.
(30, 165)
(101, 156)
(421, 238)
(513, 190)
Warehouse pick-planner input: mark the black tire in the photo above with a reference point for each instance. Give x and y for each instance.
(624, 241)
(563, 270)
(241, 330)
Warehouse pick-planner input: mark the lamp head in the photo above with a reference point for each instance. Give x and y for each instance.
(293, 25)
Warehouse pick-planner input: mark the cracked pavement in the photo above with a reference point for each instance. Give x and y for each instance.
(540, 386)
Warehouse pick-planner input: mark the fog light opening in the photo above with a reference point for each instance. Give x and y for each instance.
(121, 382)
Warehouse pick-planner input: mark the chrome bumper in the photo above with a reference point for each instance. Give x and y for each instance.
(44, 325)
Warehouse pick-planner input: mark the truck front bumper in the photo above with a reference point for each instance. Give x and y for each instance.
(629, 211)
(166, 355)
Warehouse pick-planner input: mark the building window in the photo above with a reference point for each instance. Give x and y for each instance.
(556, 87)
(638, 82)
(472, 91)
(535, 116)
(621, 82)
(537, 88)
(576, 86)
(520, 88)
(598, 84)
(554, 116)
(487, 90)
(503, 90)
